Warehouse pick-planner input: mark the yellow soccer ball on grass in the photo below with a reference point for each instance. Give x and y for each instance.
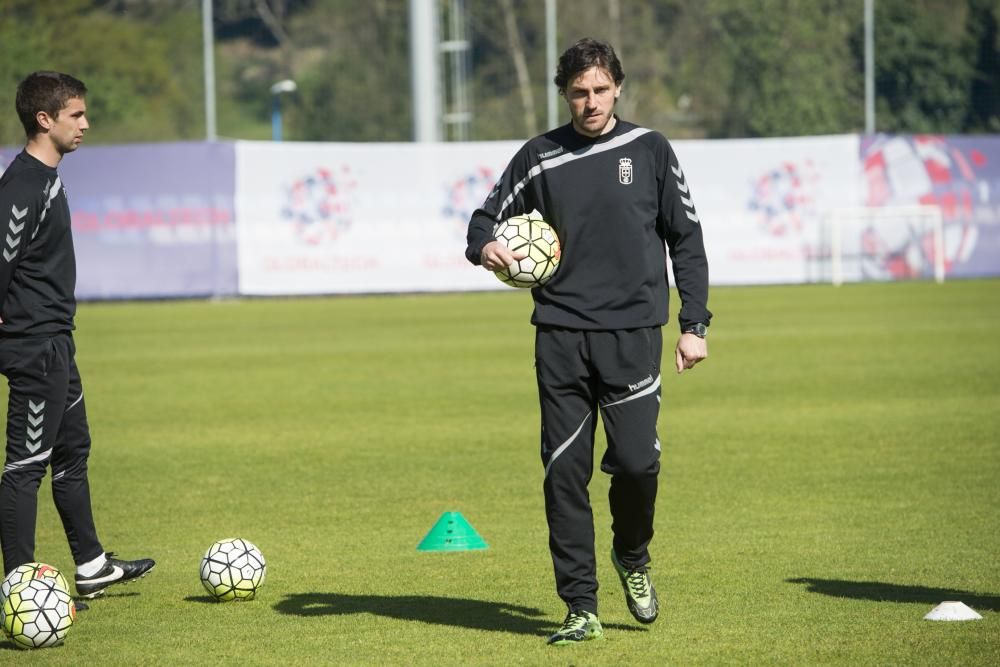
(24, 573)
(233, 569)
(37, 614)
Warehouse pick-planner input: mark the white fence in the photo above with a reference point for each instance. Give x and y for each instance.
(200, 219)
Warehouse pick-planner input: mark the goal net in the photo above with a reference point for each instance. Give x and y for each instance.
(882, 243)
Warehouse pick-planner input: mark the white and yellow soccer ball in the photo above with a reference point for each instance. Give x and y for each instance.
(532, 235)
(233, 569)
(37, 614)
(29, 571)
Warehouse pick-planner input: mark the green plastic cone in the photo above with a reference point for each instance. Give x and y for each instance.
(452, 533)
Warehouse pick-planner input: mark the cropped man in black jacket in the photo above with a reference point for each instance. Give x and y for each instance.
(46, 414)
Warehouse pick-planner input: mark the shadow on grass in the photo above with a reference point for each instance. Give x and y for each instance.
(110, 595)
(8, 645)
(107, 596)
(205, 599)
(473, 614)
(883, 592)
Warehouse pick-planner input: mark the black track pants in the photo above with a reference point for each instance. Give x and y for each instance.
(579, 373)
(46, 424)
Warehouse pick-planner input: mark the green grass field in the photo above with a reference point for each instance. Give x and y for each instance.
(831, 473)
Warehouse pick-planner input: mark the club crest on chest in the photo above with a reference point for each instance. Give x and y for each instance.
(625, 171)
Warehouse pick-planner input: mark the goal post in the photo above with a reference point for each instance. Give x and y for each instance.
(883, 243)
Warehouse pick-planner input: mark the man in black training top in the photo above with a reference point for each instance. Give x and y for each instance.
(616, 196)
(46, 417)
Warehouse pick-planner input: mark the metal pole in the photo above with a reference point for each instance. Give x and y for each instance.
(836, 260)
(870, 66)
(938, 222)
(208, 48)
(550, 63)
(457, 115)
(275, 117)
(424, 70)
(277, 90)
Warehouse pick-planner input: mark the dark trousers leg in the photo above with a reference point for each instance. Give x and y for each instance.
(41, 376)
(629, 363)
(70, 485)
(567, 447)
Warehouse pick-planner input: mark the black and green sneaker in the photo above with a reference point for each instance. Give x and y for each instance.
(579, 626)
(639, 592)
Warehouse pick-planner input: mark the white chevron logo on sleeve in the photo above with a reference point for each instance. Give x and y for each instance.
(681, 184)
(686, 200)
(35, 420)
(33, 434)
(14, 238)
(36, 407)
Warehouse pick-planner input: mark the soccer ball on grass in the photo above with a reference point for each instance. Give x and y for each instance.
(233, 569)
(29, 571)
(37, 614)
(532, 235)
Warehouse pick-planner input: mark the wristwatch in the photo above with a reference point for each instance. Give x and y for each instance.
(699, 330)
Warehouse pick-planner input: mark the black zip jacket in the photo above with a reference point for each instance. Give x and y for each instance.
(617, 202)
(37, 262)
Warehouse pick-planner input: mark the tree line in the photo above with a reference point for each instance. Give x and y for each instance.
(712, 68)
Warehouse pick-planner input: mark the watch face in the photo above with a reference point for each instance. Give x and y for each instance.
(699, 330)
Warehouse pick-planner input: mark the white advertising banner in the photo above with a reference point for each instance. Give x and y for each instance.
(322, 218)
(764, 203)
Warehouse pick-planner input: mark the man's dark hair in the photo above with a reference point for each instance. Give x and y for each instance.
(48, 92)
(583, 55)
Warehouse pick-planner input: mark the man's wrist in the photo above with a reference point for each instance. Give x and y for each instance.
(699, 329)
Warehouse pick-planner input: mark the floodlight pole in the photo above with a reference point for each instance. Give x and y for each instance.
(552, 95)
(424, 80)
(208, 62)
(870, 66)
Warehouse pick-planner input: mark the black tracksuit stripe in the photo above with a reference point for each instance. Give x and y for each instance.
(563, 158)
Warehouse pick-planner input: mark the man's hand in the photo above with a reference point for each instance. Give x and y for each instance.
(690, 350)
(496, 256)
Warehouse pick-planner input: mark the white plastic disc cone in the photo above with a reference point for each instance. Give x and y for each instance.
(952, 611)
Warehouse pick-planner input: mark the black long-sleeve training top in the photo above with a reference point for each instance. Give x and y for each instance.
(614, 201)
(37, 261)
